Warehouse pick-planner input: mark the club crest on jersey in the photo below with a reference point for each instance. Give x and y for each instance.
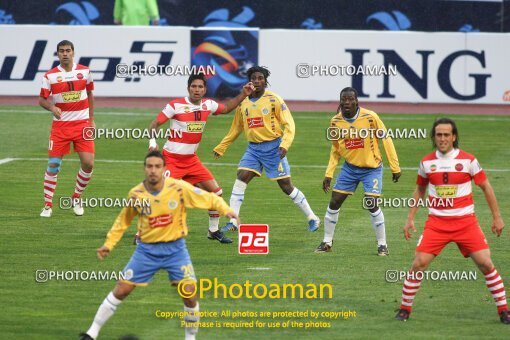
(459, 167)
(265, 111)
(172, 204)
(186, 109)
(79, 76)
(195, 127)
(59, 79)
(204, 107)
(433, 167)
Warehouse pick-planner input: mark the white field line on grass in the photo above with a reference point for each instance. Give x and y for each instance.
(154, 113)
(303, 166)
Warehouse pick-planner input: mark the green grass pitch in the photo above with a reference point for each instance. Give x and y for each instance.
(61, 309)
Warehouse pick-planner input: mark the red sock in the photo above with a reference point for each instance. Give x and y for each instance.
(497, 289)
(411, 287)
(50, 183)
(82, 179)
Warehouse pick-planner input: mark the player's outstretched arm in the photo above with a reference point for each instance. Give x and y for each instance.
(198, 198)
(418, 194)
(497, 220)
(122, 222)
(235, 130)
(234, 102)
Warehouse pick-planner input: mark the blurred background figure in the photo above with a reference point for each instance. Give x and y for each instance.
(136, 12)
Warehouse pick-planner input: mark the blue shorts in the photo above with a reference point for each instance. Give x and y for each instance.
(148, 258)
(350, 175)
(259, 156)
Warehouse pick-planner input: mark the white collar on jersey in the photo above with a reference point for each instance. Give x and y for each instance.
(449, 155)
(350, 120)
(62, 69)
(190, 103)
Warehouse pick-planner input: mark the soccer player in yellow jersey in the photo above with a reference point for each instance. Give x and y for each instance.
(162, 228)
(355, 133)
(269, 128)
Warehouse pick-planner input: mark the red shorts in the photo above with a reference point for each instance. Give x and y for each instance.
(63, 133)
(464, 231)
(187, 168)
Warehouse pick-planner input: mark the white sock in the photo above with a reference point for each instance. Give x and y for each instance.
(191, 315)
(104, 312)
(237, 197)
(330, 221)
(379, 227)
(299, 198)
(214, 216)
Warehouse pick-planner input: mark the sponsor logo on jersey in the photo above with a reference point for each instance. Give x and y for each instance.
(253, 239)
(79, 76)
(160, 221)
(459, 167)
(446, 191)
(355, 143)
(195, 127)
(255, 122)
(71, 96)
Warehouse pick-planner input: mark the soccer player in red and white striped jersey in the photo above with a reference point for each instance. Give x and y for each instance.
(188, 117)
(72, 106)
(448, 173)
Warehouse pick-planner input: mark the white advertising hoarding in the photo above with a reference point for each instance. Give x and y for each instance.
(429, 67)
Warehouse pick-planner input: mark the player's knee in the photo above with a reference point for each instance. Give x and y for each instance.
(122, 291)
(420, 263)
(243, 176)
(335, 203)
(485, 265)
(87, 166)
(54, 165)
(286, 186)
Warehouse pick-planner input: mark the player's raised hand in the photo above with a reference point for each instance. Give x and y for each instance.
(216, 155)
(234, 215)
(102, 252)
(497, 226)
(408, 228)
(396, 176)
(57, 112)
(153, 145)
(282, 152)
(248, 89)
(326, 184)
